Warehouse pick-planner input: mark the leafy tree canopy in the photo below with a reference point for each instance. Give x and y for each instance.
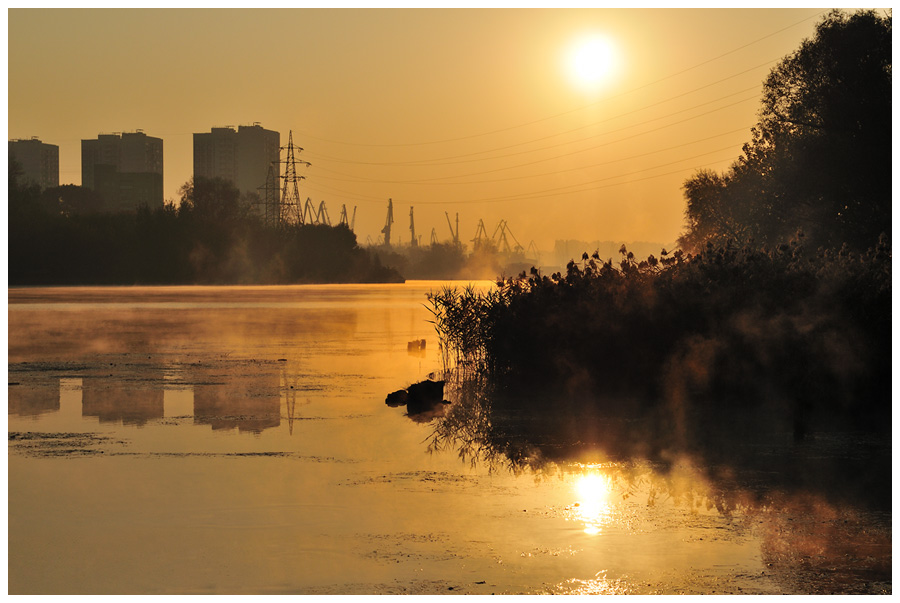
(819, 159)
(71, 199)
(213, 200)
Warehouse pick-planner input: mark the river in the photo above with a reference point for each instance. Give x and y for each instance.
(236, 440)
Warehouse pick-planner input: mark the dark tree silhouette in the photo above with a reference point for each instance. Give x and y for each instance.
(212, 237)
(213, 200)
(71, 199)
(819, 159)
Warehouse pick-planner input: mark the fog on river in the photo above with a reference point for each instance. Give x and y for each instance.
(237, 440)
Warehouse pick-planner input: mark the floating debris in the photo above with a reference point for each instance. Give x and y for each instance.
(416, 348)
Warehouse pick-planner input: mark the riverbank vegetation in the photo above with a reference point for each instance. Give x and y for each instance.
(773, 319)
(453, 261)
(425, 262)
(768, 366)
(727, 326)
(62, 237)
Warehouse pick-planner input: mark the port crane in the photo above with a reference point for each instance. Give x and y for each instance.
(480, 234)
(453, 233)
(502, 241)
(308, 213)
(348, 223)
(322, 215)
(387, 223)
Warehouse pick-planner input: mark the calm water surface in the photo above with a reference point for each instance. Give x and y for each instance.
(236, 440)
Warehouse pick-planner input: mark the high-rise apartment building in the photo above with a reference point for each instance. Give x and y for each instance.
(126, 169)
(241, 156)
(39, 161)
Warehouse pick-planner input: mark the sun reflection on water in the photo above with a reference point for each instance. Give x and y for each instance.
(593, 490)
(599, 585)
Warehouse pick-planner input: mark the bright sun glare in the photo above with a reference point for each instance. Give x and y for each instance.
(593, 491)
(592, 61)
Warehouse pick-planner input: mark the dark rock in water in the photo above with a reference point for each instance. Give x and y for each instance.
(424, 396)
(427, 391)
(424, 399)
(397, 398)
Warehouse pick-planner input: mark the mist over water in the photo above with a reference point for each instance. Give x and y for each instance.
(237, 440)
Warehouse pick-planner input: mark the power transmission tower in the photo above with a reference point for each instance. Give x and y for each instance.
(269, 197)
(290, 210)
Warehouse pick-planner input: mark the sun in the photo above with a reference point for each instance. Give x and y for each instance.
(592, 61)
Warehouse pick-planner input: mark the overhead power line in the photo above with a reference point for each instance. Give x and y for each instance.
(433, 181)
(588, 106)
(555, 157)
(545, 192)
(480, 156)
(425, 162)
(563, 188)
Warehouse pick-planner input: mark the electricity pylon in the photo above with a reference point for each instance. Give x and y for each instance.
(291, 211)
(269, 197)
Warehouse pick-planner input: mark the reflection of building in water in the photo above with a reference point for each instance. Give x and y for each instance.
(251, 404)
(33, 399)
(110, 400)
(416, 348)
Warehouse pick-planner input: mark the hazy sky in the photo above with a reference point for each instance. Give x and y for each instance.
(469, 111)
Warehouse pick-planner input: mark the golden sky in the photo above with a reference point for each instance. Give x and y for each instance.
(472, 111)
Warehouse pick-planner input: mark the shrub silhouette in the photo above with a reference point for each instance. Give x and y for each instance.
(804, 336)
(211, 238)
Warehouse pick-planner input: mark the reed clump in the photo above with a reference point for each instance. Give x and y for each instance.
(743, 360)
(797, 336)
